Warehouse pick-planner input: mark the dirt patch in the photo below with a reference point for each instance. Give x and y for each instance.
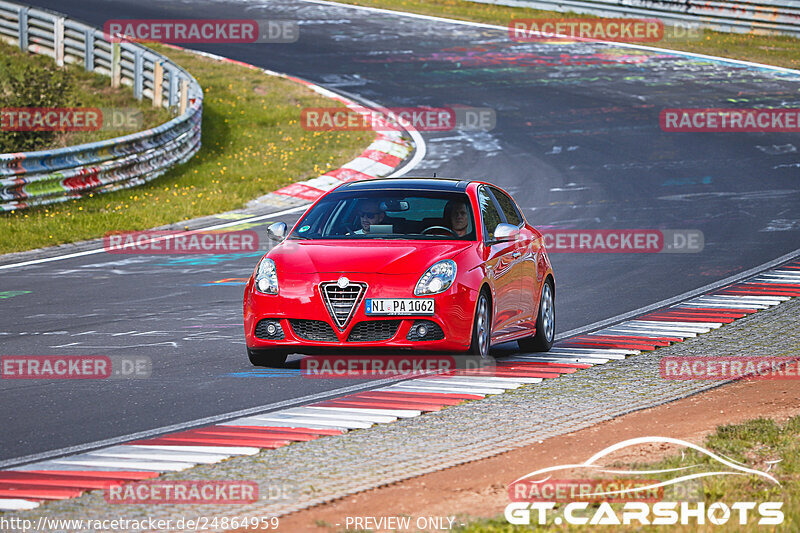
(478, 488)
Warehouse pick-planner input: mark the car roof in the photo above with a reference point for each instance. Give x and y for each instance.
(412, 183)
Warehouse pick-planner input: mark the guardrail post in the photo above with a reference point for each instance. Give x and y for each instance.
(88, 49)
(158, 83)
(173, 87)
(23, 28)
(58, 40)
(138, 73)
(116, 71)
(184, 95)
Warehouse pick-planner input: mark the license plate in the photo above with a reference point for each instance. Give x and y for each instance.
(399, 306)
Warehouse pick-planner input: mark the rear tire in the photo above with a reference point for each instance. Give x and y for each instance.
(482, 327)
(542, 341)
(270, 358)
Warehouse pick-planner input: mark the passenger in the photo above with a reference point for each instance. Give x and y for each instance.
(369, 213)
(456, 217)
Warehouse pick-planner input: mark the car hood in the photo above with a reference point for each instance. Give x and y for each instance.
(384, 257)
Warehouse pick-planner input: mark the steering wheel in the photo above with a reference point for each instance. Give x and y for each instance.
(439, 228)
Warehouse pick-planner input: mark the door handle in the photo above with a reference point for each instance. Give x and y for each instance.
(516, 254)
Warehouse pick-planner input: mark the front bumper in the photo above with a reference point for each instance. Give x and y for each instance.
(297, 305)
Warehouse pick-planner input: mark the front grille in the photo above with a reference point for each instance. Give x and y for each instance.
(313, 330)
(342, 302)
(434, 332)
(373, 330)
(262, 333)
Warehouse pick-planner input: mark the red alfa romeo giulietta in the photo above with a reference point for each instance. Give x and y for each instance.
(403, 263)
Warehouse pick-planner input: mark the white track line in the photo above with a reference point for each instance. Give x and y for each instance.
(662, 326)
(643, 332)
(774, 278)
(581, 360)
(52, 465)
(438, 387)
(516, 379)
(275, 422)
(212, 449)
(428, 390)
(301, 421)
(399, 413)
(610, 353)
(618, 351)
(771, 299)
(15, 504)
(720, 306)
(548, 357)
(467, 381)
(130, 452)
(348, 416)
(614, 356)
(712, 325)
(129, 464)
(733, 304)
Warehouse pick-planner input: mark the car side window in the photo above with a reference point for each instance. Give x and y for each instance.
(489, 214)
(513, 216)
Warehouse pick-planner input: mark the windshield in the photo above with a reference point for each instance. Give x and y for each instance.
(392, 214)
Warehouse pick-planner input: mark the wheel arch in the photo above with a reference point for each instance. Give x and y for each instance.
(485, 287)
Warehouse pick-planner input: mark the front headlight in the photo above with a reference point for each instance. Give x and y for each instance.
(436, 279)
(267, 277)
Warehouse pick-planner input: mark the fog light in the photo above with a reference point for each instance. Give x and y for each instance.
(422, 331)
(269, 329)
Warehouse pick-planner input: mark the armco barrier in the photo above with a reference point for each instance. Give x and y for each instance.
(762, 16)
(50, 176)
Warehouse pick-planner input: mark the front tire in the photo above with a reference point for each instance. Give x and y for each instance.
(482, 327)
(542, 341)
(270, 358)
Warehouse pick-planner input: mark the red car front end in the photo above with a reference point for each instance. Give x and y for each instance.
(310, 274)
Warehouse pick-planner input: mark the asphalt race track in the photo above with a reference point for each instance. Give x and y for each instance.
(577, 142)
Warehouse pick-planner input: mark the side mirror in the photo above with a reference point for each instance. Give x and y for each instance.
(277, 231)
(505, 232)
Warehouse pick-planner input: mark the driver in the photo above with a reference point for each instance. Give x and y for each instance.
(456, 217)
(369, 212)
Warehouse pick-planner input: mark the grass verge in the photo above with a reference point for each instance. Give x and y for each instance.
(779, 50)
(757, 444)
(252, 144)
(28, 80)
